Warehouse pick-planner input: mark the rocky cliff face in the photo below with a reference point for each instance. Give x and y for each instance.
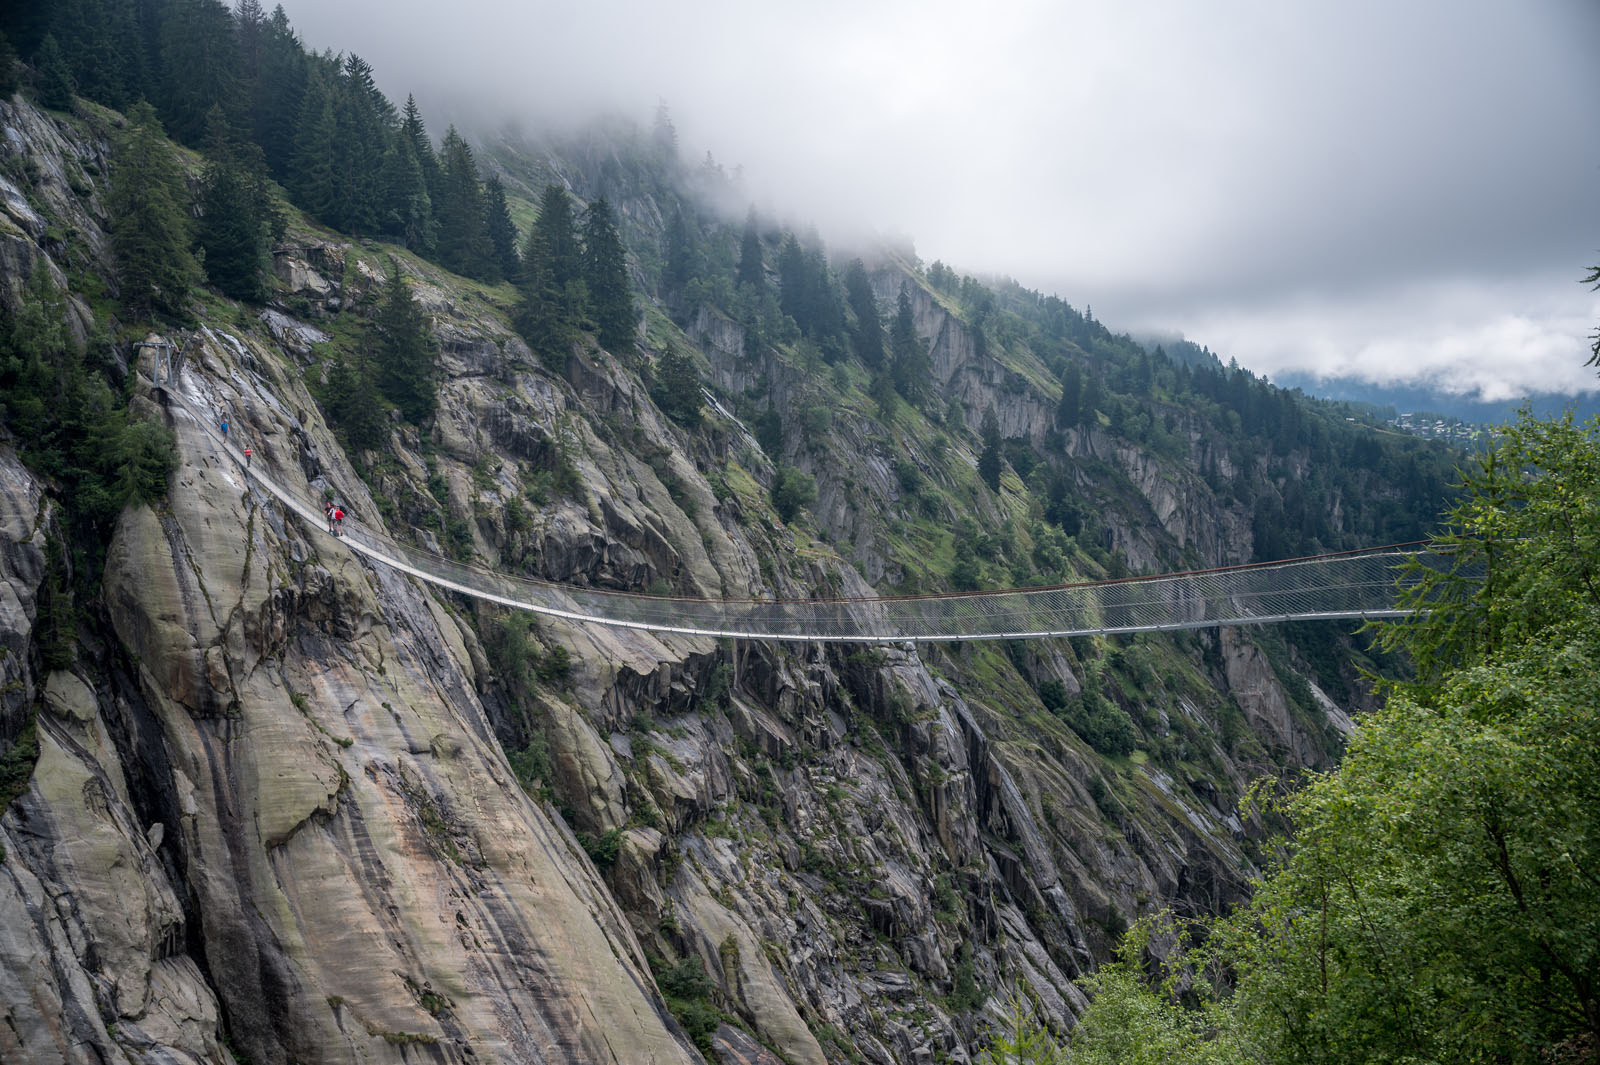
(300, 806)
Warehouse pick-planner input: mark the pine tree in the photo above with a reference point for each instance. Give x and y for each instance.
(415, 132)
(149, 225)
(908, 357)
(793, 295)
(311, 178)
(200, 61)
(868, 336)
(678, 258)
(362, 116)
(408, 209)
(750, 270)
(605, 273)
(560, 232)
(56, 87)
(1093, 398)
(1071, 397)
(539, 317)
(10, 72)
(463, 232)
(405, 351)
(239, 218)
(676, 389)
(989, 461)
(663, 136)
(277, 93)
(502, 231)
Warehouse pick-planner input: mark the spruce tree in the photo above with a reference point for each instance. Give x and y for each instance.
(868, 336)
(989, 461)
(362, 117)
(415, 132)
(200, 61)
(463, 232)
(10, 71)
(502, 231)
(750, 270)
(56, 86)
(908, 357)
(311, 177)
(239, 218)
(405, 351)
(678, 257)
(1071, 397)
(277, 92)
(539, 316)
(605, 274)
(560, 232)
(149, 222)
(408, 208)
(793, 292)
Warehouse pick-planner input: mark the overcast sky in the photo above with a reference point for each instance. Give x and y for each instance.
(1396, 189)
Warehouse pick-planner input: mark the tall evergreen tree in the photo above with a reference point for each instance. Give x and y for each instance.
(200, 67)
(540, 316)
(908, 356)
(311, 177)
(277, 92)
(10, 70)
(750, 270)
(238, 217)
(793, 293)
(463, 233)
(605, 274)
(1071, 397)
(868, 334)
(56, 85)
(678, 258)
(405, 351)
(149, 222)
(502, 231)
(989, 460)
(362, 116)
(1093, 400)
(408, 209)
(414, 131)
(560, 231)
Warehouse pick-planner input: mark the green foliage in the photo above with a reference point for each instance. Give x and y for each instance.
(405, 351)
(239, 218)
(688, 991)
(965, 994)
(792, 491)
(149, 221)
(989, 460)
(604, 849)
(1021, 1039)
(16, 764)
(909, 366)
(1439, 900)
(501, 230)
(1103, 724)
(605, 276)
(56, 84)
(464, 242)
(676, 389)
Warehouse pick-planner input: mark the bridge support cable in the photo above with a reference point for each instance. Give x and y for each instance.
(1342, 586)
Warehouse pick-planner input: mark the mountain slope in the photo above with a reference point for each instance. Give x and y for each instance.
(364, 821)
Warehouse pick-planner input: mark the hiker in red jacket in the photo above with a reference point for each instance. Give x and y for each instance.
(338, 521)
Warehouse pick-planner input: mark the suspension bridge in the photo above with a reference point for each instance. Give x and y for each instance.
(1352, 585)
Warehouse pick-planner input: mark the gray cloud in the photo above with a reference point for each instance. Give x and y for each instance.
(1375, 177)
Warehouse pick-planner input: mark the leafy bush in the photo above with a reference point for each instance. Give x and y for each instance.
(792, 490)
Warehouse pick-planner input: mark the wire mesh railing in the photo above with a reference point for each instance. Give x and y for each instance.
(1350, 585)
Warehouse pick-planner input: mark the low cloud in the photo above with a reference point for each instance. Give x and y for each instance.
(1143, 157)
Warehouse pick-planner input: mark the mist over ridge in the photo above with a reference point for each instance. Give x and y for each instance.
(1331, 189)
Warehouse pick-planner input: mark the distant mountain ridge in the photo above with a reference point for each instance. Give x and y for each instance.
(1413, 398)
